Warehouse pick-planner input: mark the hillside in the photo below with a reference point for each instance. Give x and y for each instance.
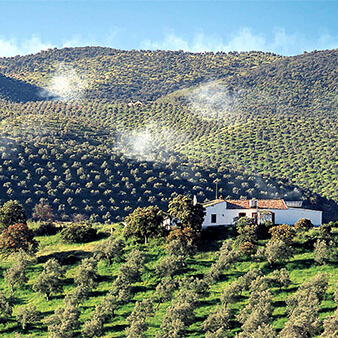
(261, 124)
(113, 74)
(300, 268)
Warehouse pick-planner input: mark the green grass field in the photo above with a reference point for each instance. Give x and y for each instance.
(301, 267)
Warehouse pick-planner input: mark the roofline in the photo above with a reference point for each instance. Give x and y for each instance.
(286, 207)
(213, 202)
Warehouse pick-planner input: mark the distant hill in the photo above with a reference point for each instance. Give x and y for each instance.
(133, 75)
(263, 125)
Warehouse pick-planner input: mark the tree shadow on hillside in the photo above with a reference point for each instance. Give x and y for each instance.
(105, 278)
(66, 257)
(300, 264)
(209, 302)
(115, 328)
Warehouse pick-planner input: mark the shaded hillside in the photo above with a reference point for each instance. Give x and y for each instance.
(18, 91)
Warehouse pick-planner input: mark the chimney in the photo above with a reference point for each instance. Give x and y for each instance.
(253, 203)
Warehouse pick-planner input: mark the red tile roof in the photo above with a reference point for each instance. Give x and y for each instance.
(262, 204)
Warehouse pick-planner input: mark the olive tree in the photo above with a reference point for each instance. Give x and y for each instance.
(50, 279)
(144, 223)
(16, 274)
(64, 321)
(27, 315)
(87, 274)
(111, 249)
(277, 251)
(218, 319)
(5, 307)
(137, 319)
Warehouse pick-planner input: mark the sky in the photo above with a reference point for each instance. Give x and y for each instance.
(282, 27)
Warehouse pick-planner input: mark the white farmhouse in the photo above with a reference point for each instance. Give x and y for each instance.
(224, 212)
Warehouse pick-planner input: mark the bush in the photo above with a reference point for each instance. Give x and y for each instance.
(16, 237)
(78, 233)
(303, 225)
(11, 213)
(283, 232)
(46, 229)
(247, 248)
(246, 230)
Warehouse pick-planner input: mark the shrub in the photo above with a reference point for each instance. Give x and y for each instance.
(246, 229)
(78, 233)
(16, 237)
(303, 225)
(282, 232)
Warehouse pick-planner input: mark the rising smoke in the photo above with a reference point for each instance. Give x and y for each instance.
(66, 84)
(151, 143)
(215, 101)
(212, 101)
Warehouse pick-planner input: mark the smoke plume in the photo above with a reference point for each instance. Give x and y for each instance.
(66, 84)
(150, 143)
(213, 101)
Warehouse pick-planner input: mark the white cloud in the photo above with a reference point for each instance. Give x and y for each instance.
(245, 40)
(13, 47)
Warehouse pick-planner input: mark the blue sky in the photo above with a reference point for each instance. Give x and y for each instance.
(284, 27)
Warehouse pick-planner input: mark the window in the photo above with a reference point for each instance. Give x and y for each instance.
(255, 217)
(241, 214)
(213, 218)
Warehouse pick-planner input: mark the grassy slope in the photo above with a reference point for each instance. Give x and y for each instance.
(301, 267)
